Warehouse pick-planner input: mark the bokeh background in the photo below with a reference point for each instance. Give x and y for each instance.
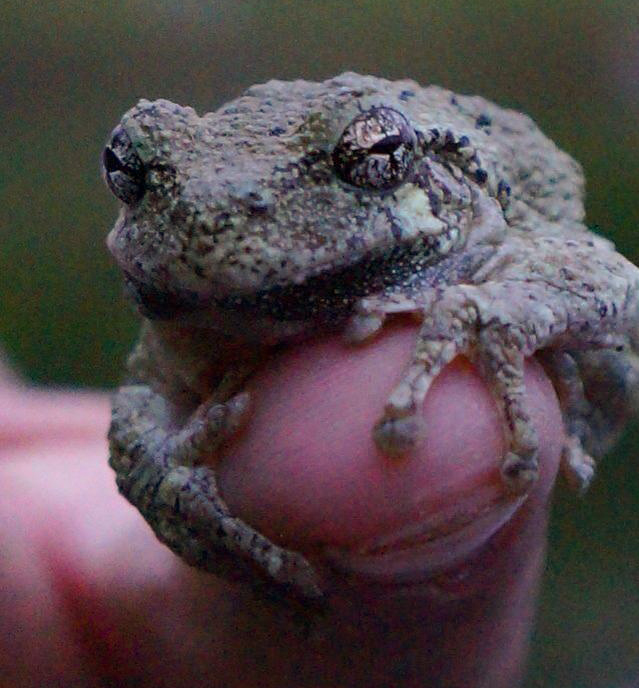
(69, 69)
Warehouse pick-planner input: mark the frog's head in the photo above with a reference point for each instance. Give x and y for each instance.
(296, 198)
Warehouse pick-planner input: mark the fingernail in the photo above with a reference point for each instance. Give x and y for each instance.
(418, 550)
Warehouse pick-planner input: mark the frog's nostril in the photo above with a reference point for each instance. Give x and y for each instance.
(258, 205)
(255, 199)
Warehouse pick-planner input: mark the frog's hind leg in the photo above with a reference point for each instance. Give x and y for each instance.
(598, 392)
(160, 470)
(611, 386)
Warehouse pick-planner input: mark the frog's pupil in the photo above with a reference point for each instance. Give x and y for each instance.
(387, 145)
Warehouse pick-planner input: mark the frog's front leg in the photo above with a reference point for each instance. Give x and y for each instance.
(497, 325)
(160, 470)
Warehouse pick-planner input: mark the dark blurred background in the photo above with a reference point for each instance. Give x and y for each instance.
(69, 69)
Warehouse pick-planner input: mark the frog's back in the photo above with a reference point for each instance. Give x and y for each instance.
(540, 185)
(546, 184)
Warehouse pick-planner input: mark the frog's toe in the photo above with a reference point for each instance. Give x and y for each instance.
(362, 327)
(520, 472)
(577, 466)
(400, 435)
(208, 428)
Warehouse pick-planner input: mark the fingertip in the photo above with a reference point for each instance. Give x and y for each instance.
(307, 473)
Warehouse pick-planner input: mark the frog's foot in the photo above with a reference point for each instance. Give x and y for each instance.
(470, 320)
(577, 466)
(371, 313)
(159, 470)
(207, 429)
(401, 428)
(501, 353)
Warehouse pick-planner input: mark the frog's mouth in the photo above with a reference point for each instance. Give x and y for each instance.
(320, 297)
(326, 297)
(160, 304)
(331, 295)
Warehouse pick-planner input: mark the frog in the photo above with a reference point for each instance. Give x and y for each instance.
(303, 208)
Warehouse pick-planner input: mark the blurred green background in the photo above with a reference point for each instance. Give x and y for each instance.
(69, 69)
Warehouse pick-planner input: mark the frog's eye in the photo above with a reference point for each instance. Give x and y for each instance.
(376, 150)
(122, 167)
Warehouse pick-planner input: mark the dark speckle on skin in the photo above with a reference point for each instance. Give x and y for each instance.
(481, 176)
(435, 203)
(483, 120)
(395, 227)
(503, 193)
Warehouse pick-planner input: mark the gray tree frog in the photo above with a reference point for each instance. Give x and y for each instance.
(304, 207)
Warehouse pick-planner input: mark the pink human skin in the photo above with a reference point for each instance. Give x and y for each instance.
(88, 597)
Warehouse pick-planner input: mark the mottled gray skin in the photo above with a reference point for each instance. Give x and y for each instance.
(237, 233)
